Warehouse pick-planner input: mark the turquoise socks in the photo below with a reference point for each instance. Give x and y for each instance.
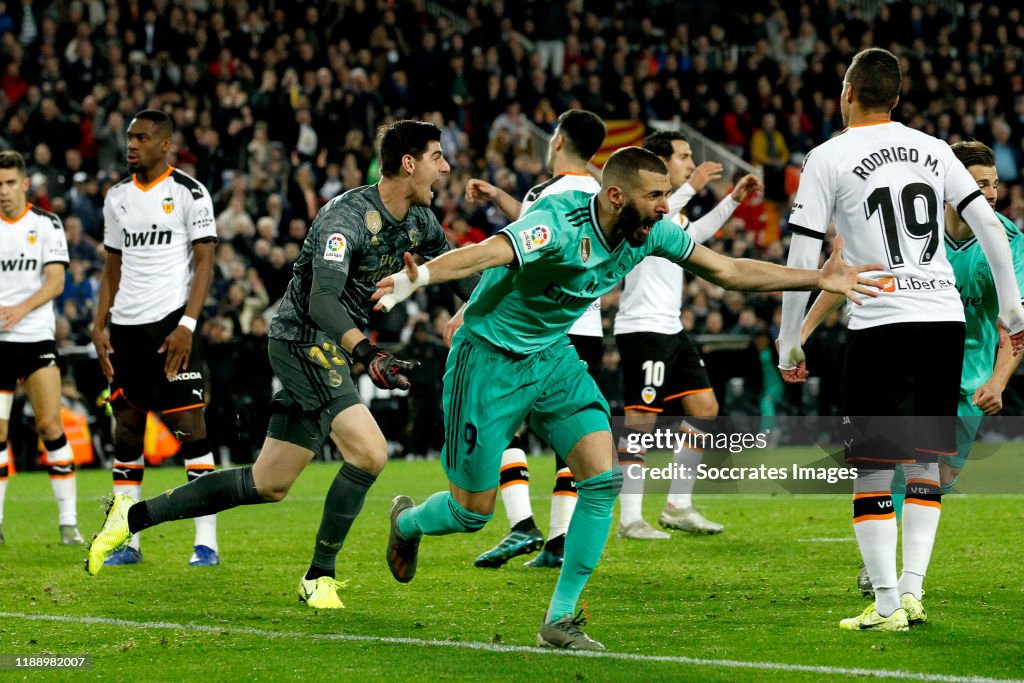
(586, 538)
(439, 515)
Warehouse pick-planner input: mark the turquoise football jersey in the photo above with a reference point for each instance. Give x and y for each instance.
(563, 262)
(981, 306)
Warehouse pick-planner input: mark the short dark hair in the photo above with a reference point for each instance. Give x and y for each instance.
(974, 153)
(160, 119)
(660, 142)
(876, 75)
(624, 165)
(401, 138)
(584, 132)
(11, 159)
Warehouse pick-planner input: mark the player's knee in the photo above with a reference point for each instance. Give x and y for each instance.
(701, 405)
(274, 493)
(190, 422)
(49, 427)
(369, 457)
(474, 516)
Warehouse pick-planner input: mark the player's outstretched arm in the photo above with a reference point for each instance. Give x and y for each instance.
(748, 275)
(482, 191)
(453, 265)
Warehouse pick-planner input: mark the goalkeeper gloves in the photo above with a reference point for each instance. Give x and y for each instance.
(386, 371)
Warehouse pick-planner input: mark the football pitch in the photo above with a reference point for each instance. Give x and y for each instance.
(760, 602)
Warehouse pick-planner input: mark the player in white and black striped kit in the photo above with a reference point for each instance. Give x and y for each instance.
(661, 366)
(33, 255)
(159, 234)
(577, 138)
(884, 186)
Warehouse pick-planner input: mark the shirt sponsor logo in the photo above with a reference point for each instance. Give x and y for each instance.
(913, 284)
(185, 376)
(335, 249)
(535, 237)
(648, 395)
(585, 249)
(32, 236)
(168, 205)
(19, 264)
(146, 239)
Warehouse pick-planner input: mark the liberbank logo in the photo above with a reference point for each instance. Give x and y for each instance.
(913, 284)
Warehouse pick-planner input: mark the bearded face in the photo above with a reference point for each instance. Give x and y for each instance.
(634, 225)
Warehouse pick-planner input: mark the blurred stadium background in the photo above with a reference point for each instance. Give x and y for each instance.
(276, 104)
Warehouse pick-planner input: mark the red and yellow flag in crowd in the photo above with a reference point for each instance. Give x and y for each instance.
(620, 134)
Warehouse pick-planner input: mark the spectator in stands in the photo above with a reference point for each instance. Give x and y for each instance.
(768, 150)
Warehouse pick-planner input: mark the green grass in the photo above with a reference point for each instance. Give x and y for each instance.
(757, 593)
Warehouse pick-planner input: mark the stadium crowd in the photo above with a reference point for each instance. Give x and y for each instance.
(276, 106)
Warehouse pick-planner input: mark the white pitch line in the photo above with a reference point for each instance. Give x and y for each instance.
(492, 647)
(826, 539)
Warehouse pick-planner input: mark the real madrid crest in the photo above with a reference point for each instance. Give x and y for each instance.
(585, 249)
(414, 236)
(373, 221)
(32, 236)
(168, 205)
(334, 378)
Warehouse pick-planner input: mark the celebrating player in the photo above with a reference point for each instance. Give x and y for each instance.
(577, 137)
(354, 241)
(511, 358)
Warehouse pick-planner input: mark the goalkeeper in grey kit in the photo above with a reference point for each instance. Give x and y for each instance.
(355, 240)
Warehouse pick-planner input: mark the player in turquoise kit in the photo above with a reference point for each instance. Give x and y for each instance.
(511, 358)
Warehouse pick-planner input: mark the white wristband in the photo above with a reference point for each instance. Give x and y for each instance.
(188, 322)
(404, 287)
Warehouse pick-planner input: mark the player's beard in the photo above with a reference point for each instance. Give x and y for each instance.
(632, 226)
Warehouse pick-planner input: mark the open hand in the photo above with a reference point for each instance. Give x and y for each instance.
(840, 278)
(178, 346)
(480, 190)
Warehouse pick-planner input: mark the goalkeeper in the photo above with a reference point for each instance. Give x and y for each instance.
(354, 240)
(512, 358)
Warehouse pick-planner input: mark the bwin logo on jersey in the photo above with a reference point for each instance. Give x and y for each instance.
(19, 264)
(146, 239)
(168, 205)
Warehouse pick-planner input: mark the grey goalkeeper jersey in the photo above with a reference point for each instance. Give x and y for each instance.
(355, 235)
